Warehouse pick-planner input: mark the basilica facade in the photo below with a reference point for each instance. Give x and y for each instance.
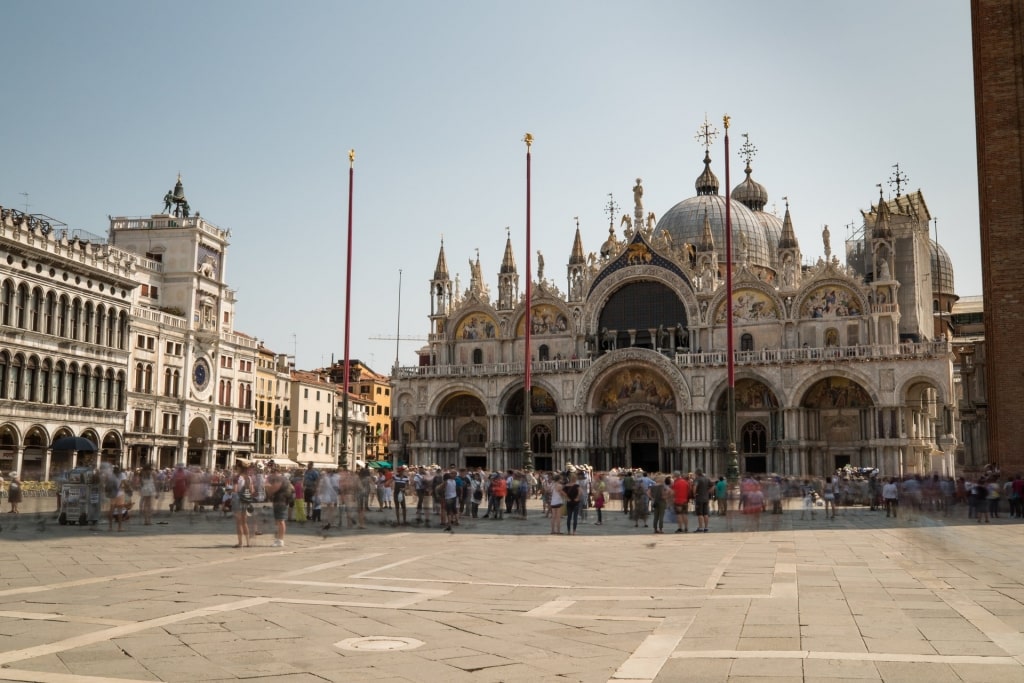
(837, 362)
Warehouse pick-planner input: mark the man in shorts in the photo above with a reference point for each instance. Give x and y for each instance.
(681, 498)
(701, 500)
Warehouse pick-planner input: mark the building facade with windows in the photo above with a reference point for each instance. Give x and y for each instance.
(374, 392)
(65, 338)
(836, 358)
(273, 404)
(351, 435)
(311, 435)
(191, 374)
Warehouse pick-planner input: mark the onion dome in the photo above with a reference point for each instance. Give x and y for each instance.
(707, 182)
(751, 193)
(942, 270)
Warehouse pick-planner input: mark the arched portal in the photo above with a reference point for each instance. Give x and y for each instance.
(543, 410)
(838, 418)
(467, 417)
(759, 424)
(198, 442)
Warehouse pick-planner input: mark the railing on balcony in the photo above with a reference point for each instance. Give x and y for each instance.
(167, 221)
(142, 427)
(829, 354)
(159, 317)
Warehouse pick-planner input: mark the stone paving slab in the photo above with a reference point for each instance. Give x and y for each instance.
(859, 598)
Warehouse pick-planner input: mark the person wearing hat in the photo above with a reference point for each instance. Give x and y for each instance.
(14, 492)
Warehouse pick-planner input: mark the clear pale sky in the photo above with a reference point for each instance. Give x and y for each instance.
(257, 103)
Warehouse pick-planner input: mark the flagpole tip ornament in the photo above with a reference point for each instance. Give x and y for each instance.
(528, 139)
(351, 157)
(725, 121)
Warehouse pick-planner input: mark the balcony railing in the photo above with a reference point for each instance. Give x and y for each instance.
(829, 354)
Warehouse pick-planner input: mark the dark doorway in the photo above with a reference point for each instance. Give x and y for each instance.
(842, 461)
(543, 463)
(473, 461)
(755, 464)
(645, 456)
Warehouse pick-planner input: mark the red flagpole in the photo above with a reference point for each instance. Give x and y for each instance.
(348, 306)
(728, 263)
(527, 383)
(732, 465)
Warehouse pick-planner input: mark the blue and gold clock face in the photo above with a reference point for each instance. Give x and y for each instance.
(201, 373)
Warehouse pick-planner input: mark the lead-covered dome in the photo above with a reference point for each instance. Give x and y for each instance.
(685, 223)
(757, 231)
(942, 270)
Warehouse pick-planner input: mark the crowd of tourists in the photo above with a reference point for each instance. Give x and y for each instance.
(435, 497)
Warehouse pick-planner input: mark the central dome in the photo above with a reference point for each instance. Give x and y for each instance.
(685, 223)
(753, 230)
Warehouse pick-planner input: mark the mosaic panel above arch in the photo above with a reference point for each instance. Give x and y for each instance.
(837, 392)
(476, 326)
(541, 402)
(751, 394)
(749, 305)
(633, 386)
(462, 405)
(830, 301)
(544, 319)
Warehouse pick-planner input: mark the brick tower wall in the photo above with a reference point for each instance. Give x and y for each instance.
(999, 112)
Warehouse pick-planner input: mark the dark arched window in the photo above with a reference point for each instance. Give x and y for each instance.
(540, 440)
(478, 356)
(642, 306)
(747, 342)
(543, 353)
(755, 438)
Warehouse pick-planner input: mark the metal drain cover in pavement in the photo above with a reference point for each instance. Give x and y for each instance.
(378, 644)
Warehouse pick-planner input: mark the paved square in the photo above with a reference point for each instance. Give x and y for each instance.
(860, 597)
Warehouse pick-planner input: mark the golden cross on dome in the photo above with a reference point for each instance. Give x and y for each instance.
(706, 131)
(612, 209)
(747, 150)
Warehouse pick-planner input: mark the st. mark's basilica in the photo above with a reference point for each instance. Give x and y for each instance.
(839, 362)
